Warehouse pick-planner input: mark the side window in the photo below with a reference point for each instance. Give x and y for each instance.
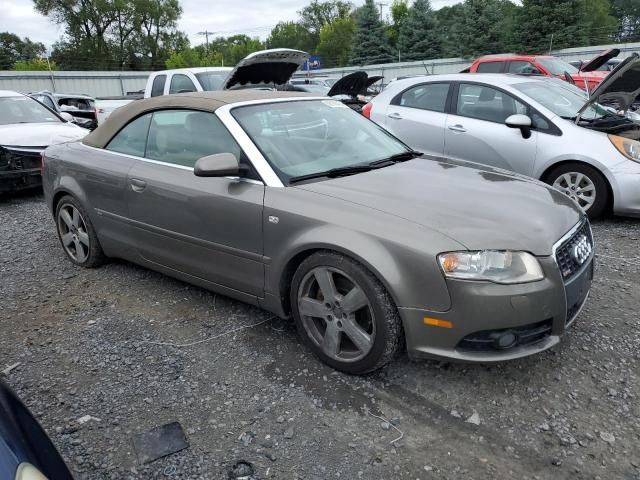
(490, 67)
(181, 83)
(157, 88)
(132, 138)
(486, 103)
(425, 97)
(523, 68)
(46, 101)
(183, 136)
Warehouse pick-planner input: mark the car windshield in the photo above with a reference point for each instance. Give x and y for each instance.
(555, 66)
(308, 137)
(24, 110)
(211, 81)
(562, 98)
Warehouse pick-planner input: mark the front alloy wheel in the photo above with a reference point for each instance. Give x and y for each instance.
(336, 314)
(584, 184)
(579, 187)
(344, 314)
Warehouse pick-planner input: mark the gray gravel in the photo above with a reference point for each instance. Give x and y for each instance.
(83, 340)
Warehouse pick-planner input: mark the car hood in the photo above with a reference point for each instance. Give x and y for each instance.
(39, 134)
(354, 84)
(621, 87)
(599, 60)
(275, 66)
(479, 207)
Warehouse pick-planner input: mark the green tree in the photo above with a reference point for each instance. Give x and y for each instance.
(449, 27)
(320, 13)
(197, 56)
(370, 43)
(542, 25)
(601, 24)
(114, 34)
(485, 27)
(35, 64)
(419, 39)
(335, 42)
(399, 11)
(290, 35)
(14, 49)
(627, 13)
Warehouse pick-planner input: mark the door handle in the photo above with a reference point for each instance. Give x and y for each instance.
(137, 185)
(395, 116)
(457, 128)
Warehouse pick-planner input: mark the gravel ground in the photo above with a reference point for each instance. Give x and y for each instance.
(85, 343)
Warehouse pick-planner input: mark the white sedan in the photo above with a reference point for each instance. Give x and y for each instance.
(536, 126)
(26, 128)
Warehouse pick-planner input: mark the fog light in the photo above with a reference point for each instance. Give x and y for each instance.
(505, 341)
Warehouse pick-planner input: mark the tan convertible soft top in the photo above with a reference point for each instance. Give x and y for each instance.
(207, 101)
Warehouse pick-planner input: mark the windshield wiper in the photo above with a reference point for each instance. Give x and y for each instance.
(332, 173)
(398, 157)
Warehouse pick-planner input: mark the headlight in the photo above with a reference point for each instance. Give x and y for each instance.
(627, 147)
(493, 266)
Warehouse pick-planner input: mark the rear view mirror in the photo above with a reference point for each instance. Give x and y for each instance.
(523, 122)
(218, 165)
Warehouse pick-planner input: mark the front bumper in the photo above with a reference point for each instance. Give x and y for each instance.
(537, 314)
(627, 189)
(13, 181)
(20, 168)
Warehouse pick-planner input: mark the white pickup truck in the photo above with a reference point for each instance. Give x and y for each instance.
(265, 68)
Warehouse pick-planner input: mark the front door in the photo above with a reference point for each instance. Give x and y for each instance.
(476, 130)
(210, 228)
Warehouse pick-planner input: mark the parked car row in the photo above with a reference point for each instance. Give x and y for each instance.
(542, 127)
(302, 184)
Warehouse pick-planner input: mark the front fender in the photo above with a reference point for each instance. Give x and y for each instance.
(401, 254)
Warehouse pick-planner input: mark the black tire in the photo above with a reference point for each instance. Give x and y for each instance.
(92, 255)
(379, 318)
(602, 194)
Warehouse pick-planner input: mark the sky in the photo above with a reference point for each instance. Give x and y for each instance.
(224, 17)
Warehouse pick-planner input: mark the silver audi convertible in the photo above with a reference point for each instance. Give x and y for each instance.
(301, 206)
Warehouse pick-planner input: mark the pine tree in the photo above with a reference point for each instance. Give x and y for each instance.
(419, 38)
(543, 25)
(370, 43)
(485, 27)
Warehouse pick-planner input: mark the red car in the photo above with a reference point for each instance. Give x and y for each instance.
(587, 77)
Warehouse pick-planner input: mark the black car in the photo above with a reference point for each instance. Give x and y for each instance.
(26, 453)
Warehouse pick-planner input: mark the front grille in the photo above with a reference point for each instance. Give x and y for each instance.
(574, 252)
(487, 340)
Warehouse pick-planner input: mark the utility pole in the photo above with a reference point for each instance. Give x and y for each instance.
(206, 34)
(380, 4)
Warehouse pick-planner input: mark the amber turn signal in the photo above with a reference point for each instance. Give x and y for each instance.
(437, 323)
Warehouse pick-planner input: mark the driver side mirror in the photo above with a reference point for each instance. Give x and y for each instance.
(66, 116)
(523, 122)
(218, 165)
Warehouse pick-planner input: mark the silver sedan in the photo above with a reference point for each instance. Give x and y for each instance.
(305, 208)
(537, 126)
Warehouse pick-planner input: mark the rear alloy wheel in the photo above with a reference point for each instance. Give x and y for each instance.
(584, 184)
(77, 235)
(344, 314)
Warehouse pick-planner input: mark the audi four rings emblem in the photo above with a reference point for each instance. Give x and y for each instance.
(582, 250)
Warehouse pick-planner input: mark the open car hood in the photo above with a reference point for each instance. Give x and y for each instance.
(354, 84)
(596, 62)
(621, 88)
(275, 66)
